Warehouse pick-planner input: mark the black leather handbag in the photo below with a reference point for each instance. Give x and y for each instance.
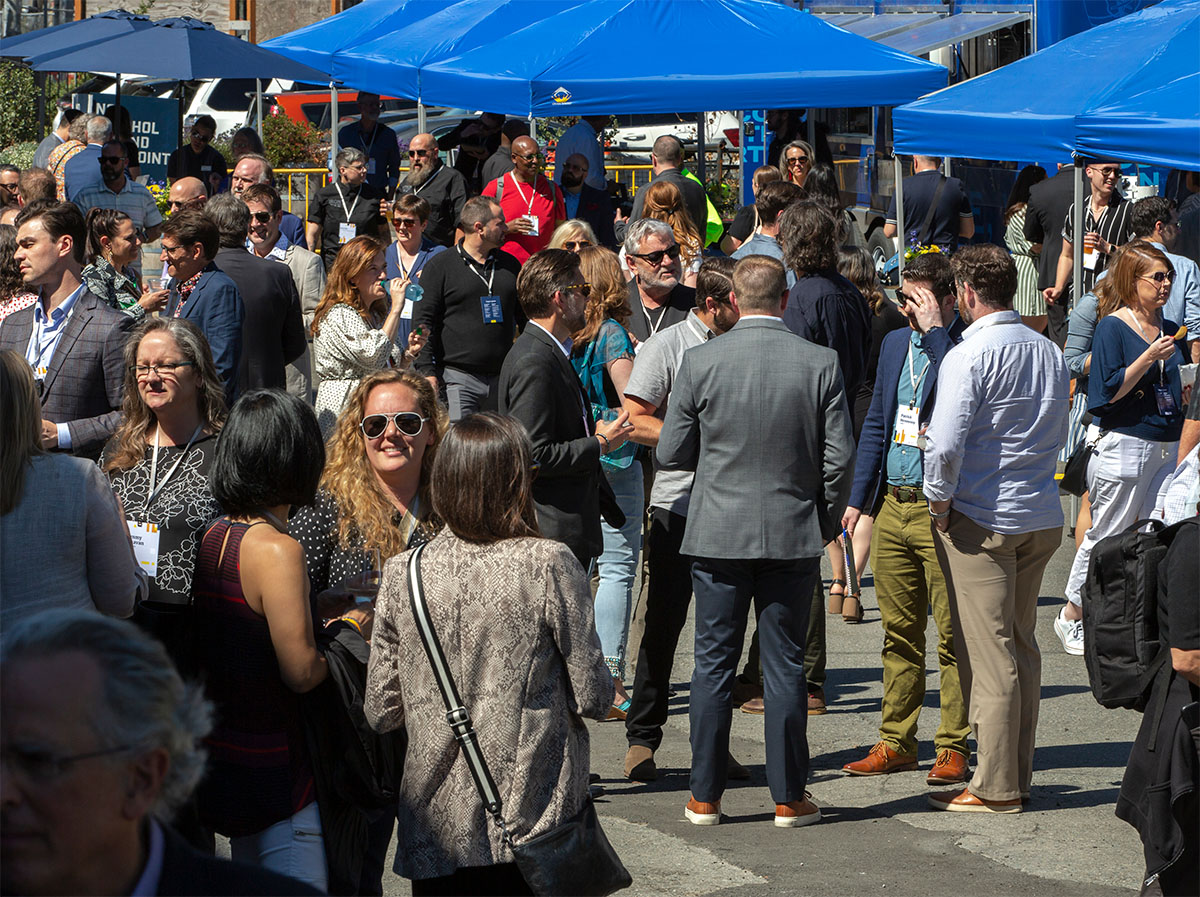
(573, 859)
(1074, 478)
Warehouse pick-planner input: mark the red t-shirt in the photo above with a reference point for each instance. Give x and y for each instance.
(543, 200)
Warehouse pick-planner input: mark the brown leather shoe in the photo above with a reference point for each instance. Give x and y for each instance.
(966, 802)
(950, 768)
(797, 813)
(697, 812)
(754, 705)
(816, 702)
(881, 759)
(639, 764)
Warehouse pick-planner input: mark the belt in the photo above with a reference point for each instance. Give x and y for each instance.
(906, 493)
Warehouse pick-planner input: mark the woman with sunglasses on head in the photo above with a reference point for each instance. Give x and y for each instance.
(113, 246)
(602, 355)
(1135, 395)
(407, 256)
(573, 235)
(159, 460)
(356, 326)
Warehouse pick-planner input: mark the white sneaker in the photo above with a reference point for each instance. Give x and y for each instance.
(1070, 633)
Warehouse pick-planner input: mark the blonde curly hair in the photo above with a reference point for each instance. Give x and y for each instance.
(364, 512)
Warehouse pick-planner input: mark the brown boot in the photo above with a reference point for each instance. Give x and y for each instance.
(881, 759)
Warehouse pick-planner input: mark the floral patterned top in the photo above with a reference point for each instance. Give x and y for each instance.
(115, 287)
(182, 510)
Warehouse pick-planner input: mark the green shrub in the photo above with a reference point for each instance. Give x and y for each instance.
(18, 112)
(293, 144)
(19, 154)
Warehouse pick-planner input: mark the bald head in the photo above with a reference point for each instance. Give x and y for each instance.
(187, 193)
(527, 161)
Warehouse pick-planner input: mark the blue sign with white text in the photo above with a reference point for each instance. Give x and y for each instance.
(154, 128)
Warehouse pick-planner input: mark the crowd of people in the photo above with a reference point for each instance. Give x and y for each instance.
(301, 445)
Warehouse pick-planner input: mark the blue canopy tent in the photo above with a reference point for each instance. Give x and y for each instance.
(1159, 125)
(1029, 108)
(73, 35)
(612, 55)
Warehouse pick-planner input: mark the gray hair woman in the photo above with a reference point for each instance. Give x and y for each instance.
(796, 161)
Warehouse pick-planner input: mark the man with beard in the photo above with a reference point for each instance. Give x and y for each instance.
(585, 138)
(532, 205)
(539, 388)
(439, 185)
(585, 202)
(378, 143)
(254, 169)
(669, 594)
(119, 192)
(656, 294)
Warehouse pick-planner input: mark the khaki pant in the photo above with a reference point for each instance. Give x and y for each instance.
(993, 580)
(908, 582)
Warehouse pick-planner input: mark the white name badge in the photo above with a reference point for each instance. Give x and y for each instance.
(347, 232)
(533, 225)
(1090, 260)
(145, 545)
(370, 166)
(406, 314)
(206, 168)
(908, 427)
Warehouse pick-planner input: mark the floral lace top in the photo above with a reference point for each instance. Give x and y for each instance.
(115, 287)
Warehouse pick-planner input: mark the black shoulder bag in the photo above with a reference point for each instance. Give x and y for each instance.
(574, 858)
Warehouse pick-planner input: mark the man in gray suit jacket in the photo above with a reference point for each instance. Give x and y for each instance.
(73, 341)
(761, 416)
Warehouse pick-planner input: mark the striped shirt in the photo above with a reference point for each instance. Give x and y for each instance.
(999, 421)
(1112, 226)
(133, 199)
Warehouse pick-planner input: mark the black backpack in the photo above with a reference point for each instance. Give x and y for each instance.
(1120, 614)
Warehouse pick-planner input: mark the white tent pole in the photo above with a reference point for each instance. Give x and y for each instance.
(333, 126)
(420, 117)
(1080, 215)
(258, 103)
(899, 213)
(946, 166)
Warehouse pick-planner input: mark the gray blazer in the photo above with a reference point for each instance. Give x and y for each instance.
(761, 416)
(85, 380)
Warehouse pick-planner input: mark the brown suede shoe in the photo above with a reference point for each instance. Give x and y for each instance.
(966, 802)
(754, 705)
(950, 768)
(816, 702)
(639, 764)
(698, 812)
(797, 813)
(881, 759)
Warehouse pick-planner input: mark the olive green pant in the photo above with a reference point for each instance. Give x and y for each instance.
(908, 581)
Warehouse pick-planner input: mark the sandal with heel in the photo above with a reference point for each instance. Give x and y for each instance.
(837, 599)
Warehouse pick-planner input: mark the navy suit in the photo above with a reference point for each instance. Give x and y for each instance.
(596, 209)
(870, 468)
(216, 307)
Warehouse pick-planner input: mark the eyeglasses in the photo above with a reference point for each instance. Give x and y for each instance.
(797, 160)
(532, 157)
(43, 767)
(418, 154)
(407, 422)
(358, 166)
(575, 245)
(111, 160)
(1159, 277)
(11, 188)
(201, 136)
(262, 217)
(656, 257)
(171, 250)
(404, 222)
(166, 369)
(585, 288)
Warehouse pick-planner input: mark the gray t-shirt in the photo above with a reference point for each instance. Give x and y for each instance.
(654, 369)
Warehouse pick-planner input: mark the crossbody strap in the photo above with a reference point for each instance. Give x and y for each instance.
(456, 714)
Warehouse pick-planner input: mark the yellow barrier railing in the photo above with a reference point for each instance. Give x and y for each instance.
(633, 176)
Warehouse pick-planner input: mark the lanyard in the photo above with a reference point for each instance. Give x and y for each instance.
(400, 262)
(155, 490)
(353, 205)
(521, 193)
(363, 143)
(913, 377)
(42, 344)
(417, 190)
(650, 325)
(490, 267)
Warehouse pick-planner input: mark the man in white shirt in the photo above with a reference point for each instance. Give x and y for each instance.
(990, 461)
(584, 138)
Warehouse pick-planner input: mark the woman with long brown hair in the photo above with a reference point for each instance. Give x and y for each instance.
(374, 499)
(14, 295)
(159, 459)
(602, 355)
(664, 202)
(1136, 398)
(65, 544)
(355, 325)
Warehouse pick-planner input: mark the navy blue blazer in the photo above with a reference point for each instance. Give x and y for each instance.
(216, 307)
(870, 467)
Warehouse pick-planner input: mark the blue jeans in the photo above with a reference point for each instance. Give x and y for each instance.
(293, 847)
(617, 566)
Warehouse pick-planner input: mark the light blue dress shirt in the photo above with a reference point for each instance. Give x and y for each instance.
(43, 343)
(998, 425)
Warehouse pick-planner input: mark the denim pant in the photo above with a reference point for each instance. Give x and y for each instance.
(293, 847)
(617, 566)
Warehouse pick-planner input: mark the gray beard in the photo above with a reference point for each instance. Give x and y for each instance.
(417, 177)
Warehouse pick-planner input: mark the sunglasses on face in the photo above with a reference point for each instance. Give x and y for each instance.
(575, 245)
(262, 217)
(407, 422)
(418, 153)
(1160, 277)
(584, 288)
(404, 222)
(11, 188)
(532, 157)
(203, 138)
(797, 160)
(111, 160)
(656, 257)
